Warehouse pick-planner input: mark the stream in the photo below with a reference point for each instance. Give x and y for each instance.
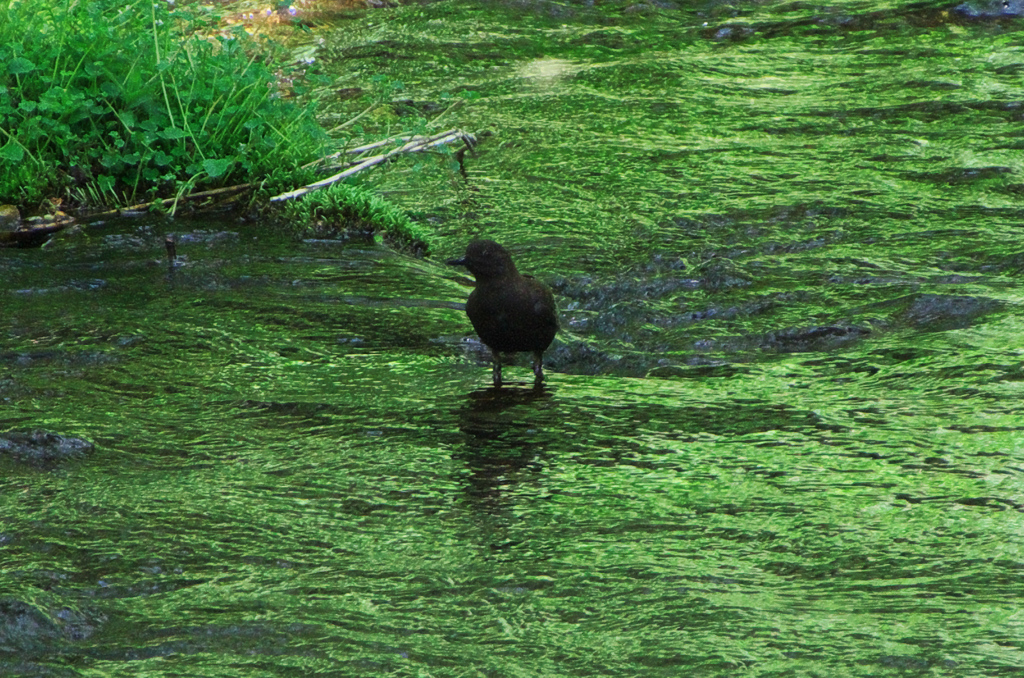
(780, 432)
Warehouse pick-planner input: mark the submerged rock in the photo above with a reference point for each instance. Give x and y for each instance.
(10, 218)
(31, 629)
(42, 447)
(990, 9)
(817, 338)
(939, 312)
(24, 627)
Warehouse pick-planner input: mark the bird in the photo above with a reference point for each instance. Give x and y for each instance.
(511, 312)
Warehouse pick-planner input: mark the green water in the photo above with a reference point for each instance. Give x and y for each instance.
(780, 434)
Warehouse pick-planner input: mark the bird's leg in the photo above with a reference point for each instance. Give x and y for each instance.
(496, 374)
(538, 369)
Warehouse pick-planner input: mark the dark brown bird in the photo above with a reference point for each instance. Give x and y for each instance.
(511, 312)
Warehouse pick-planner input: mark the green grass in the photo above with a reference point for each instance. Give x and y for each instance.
(107, 103)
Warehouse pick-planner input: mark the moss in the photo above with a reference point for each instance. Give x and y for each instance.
(343, 210)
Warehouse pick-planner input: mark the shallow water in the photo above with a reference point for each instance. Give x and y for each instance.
(780, 434)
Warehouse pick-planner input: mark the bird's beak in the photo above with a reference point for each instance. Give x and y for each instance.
(456, 262)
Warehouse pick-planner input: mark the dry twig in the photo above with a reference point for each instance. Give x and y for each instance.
(412, 145)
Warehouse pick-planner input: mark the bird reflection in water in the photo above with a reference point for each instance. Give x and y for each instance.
(507, 432)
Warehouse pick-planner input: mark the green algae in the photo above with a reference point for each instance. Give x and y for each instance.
(780, 433)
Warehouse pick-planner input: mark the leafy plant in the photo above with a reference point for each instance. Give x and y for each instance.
(117, 103)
